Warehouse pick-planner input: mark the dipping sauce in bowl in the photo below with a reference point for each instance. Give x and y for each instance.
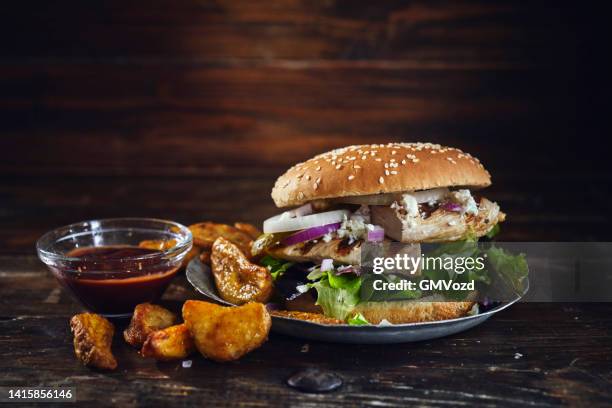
(101, 264)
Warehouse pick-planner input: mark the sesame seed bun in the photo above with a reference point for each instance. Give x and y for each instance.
(374, 169)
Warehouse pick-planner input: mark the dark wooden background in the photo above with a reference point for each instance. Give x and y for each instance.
(189, 110)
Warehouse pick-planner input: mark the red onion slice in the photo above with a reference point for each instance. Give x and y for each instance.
(348, 269)
(452, 207)
(310, 233)
(377, 234)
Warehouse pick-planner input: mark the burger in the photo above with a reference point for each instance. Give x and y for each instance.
(341, 202)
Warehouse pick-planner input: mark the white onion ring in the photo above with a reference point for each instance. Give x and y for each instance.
(284, 222)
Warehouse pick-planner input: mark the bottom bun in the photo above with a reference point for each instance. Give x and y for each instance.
(410, 311)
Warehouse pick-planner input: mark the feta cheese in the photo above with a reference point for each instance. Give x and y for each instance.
(356, 226)
(410, 204)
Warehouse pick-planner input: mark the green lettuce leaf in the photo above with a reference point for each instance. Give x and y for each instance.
(458, 249)
(512, 267)
(337, 294)
(335, 302)
(493, 231)
(276, 266)
(357, 320)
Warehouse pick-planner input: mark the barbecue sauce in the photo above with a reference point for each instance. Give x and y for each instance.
(109, 280)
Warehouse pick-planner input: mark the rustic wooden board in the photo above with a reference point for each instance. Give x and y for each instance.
(566, 355)
(163, 119)
(441, 33)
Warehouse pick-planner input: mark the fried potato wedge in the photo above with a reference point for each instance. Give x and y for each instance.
(162, 245)
(250, 229)
(238, 280)
(93, 336)
(308, 316)
(146, 319)
(206, 233)
(171, 343)
(158, 244)
(226, 333)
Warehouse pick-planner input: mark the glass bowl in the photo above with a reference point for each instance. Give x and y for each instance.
(101, 264)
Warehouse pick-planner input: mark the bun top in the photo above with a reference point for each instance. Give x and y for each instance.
(374, 169)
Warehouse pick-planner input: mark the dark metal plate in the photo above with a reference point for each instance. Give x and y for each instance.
(200, 277)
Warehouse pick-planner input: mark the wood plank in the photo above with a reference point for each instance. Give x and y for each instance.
(444, 33)
(153, 120)
(565, 358)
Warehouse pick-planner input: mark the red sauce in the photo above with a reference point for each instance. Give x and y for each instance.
(107, 281)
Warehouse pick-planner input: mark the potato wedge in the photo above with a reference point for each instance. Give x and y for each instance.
(159, 244)
(226, 333)
(171, 343)
(162, 245)
(93, 336)
(205, 234)
(146, 319)
(238, 280)
(250, 229)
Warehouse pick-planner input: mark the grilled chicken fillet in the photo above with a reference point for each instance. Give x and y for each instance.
(440, 225)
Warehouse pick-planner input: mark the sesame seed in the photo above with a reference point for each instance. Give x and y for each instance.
(415, 160)
(386, 165)
(338, 167)
(363, 157)
(393, 172)
(387, 172)
(381, 180)
(357, 166)
(378, 159)
(308, 177)
(393, 152)
(403, 161)
(351, 177)
(318, 168)
(318, 180)
(316, 185)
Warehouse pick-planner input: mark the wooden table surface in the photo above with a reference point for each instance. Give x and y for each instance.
(529, 355)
